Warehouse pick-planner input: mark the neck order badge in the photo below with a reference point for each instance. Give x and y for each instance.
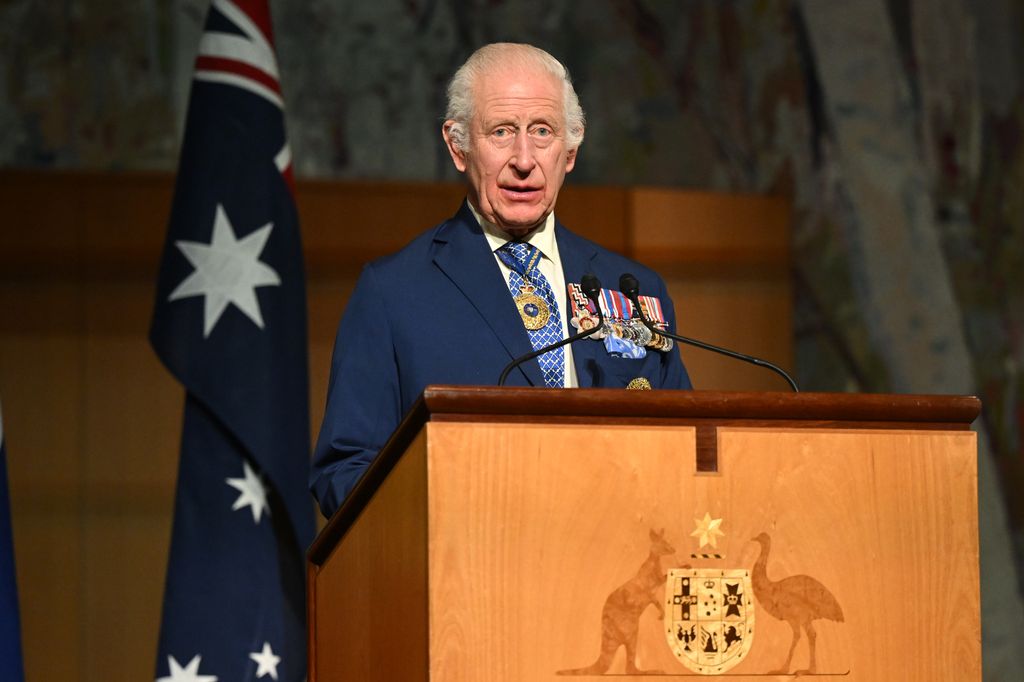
(537, 307)
(522, 259)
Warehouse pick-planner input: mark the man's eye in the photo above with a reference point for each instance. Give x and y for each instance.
(501, 132)
(542, 131)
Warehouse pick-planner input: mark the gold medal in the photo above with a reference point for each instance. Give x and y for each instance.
(532, 308)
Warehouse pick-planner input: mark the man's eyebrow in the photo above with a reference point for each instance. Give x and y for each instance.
(550, 120)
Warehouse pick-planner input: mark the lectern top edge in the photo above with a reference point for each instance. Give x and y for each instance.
(586, 402)
(701, 408)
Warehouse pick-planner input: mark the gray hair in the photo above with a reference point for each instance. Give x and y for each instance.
(489, 57)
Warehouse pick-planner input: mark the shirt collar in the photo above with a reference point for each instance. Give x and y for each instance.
(543, 238)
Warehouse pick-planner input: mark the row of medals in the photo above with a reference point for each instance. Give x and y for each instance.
(636, 331)
(535, 314)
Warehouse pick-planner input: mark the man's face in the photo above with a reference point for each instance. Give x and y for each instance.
(517, 157)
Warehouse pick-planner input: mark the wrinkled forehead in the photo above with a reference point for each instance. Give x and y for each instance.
(518, 88)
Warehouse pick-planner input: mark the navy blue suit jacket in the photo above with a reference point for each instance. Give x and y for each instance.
(439, 312)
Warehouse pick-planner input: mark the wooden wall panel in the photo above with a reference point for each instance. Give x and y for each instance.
(92, 419)
(346, 224)
(751, 313)
(673, 228)
(92, 422)
(41, 388)
(725, 258)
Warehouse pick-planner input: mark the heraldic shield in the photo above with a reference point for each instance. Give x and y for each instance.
(709, 620)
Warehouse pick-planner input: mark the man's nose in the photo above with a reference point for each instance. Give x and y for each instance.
(523, 158)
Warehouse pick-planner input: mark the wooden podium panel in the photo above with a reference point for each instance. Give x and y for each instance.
(372, 593)
(520, 547)
(531, 534)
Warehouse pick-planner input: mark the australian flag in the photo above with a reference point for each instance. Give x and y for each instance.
(10, 629)
(230, 325)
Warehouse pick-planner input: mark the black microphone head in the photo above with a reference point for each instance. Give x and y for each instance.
(591, 286)
(629, 285)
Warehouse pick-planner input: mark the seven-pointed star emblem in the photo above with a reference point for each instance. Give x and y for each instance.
(227, 270)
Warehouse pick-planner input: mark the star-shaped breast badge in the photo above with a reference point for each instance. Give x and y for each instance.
(708, 530)
(227, 270)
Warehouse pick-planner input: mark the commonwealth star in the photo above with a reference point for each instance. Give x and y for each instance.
(227, 270)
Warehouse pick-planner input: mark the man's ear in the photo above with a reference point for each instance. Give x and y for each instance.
(570, 159)
(458, 156)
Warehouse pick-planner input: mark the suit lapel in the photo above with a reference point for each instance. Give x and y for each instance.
(462, 253)
(577, 257)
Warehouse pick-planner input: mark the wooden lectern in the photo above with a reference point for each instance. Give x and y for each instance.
(538, 534)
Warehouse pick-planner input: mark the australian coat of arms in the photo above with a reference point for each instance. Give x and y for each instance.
(709, 617)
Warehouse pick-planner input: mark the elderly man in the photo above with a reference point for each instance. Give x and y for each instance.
(493, 283)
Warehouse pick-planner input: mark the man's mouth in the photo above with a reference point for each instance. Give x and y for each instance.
(521, 193)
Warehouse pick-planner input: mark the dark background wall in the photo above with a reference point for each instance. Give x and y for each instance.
(896, 129)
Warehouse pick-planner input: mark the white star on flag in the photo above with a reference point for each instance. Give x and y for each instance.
(227, 270)
(252, 493)
(266, 660)
(190, 673)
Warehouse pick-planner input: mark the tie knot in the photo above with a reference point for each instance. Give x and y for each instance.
(519, 256)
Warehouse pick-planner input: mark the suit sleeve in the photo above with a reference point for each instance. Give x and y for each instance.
(363, 399)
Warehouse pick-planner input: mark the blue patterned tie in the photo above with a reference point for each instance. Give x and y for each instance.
(522, 258)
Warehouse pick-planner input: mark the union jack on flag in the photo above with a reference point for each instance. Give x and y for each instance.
(230, 324)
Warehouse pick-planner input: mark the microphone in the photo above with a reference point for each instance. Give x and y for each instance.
(592, 289)
(629, 286)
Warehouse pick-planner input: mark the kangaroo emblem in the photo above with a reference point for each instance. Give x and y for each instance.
(620, 617)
